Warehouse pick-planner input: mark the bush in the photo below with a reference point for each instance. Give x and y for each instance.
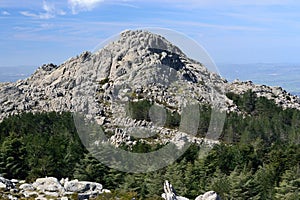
(139, 110)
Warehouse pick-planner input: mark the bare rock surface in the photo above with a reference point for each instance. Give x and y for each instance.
(50, 187)
(6, 184)
(279, 95)
(210, 195)
(170, 194)
(138, 65)
(49, 184)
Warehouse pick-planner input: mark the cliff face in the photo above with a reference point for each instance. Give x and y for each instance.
(139, 65)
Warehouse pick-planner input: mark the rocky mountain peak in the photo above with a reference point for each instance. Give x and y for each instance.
(140, 40)
(141, 51)
(139, 65)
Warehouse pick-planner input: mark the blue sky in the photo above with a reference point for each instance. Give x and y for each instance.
(232, 31)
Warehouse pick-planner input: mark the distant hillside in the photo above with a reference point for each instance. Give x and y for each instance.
(285, 75)
(14, 73)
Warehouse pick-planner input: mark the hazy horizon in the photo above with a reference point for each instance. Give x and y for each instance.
(247, 31)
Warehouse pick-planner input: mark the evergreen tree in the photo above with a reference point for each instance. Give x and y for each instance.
(13, 157)
(90, 169)
(154, 181)
(221, 184)
(241, 184)
(264, 182)
(114, 179)
(201, 175)
(191, 181)
(289, 186)
(249, 99)
(135, 183)
(174, 173)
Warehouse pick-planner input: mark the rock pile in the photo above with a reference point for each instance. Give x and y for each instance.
(49, 188)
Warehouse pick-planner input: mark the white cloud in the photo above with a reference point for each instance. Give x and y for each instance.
(28, 14)
(49, 12)
(5, 13)
(85, 5)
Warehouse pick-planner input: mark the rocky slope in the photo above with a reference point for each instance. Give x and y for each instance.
(139, 65)
(51, 188)
(279, 95)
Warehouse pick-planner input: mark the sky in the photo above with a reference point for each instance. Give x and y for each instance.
(232, 31)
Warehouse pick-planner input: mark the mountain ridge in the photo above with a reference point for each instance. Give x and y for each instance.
(139, 65)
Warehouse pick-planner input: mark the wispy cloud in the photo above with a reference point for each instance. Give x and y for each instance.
(123, 3)
(83, 5)
(88, 5)
(5, 13)
(212, 25)
(49, 11)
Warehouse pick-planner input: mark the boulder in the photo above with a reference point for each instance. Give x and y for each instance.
(82, 186)
(51, 188)
(26, 187)
(6, 184)
(15, 181)
(48, 184)
(170, 193)
(106, 191)
(2, 186)
(211, 195)
(51, 194)
(63, 181)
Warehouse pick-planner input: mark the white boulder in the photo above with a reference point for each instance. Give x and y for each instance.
(49, 184)
(210, 195)
(82, 186)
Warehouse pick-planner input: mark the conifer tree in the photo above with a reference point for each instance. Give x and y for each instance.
(90, 169)
(289, 185)
(13, 157)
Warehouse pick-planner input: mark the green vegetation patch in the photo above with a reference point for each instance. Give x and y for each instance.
(258, 158)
